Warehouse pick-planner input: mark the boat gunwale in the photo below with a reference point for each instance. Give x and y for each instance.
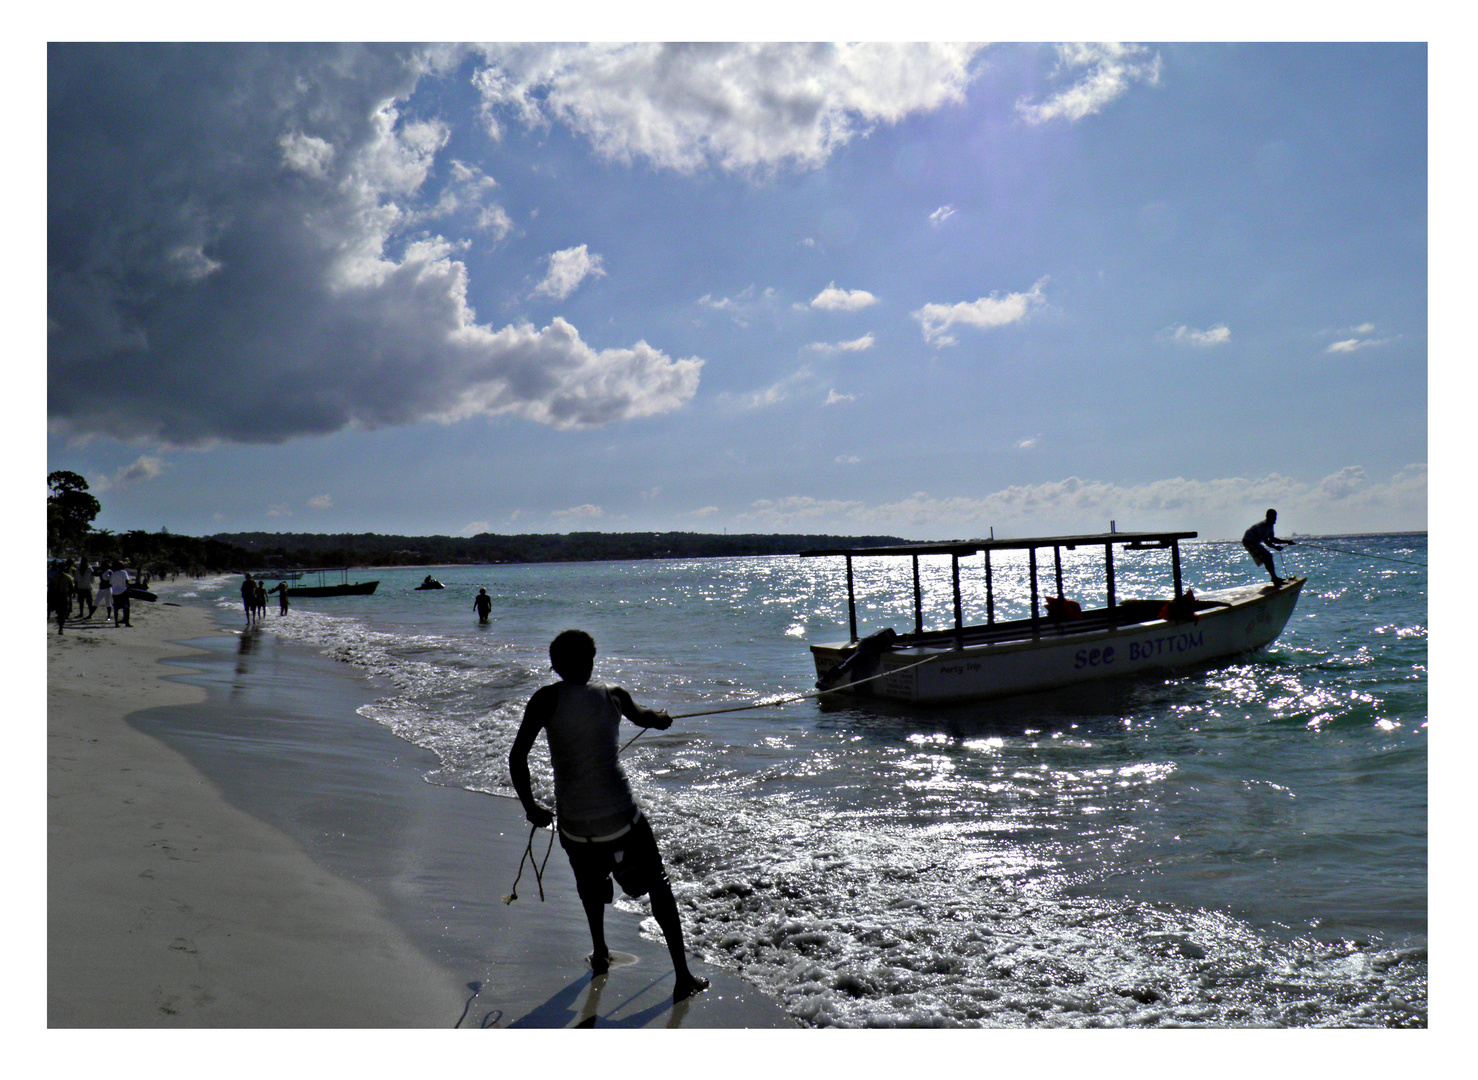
(1019, 634)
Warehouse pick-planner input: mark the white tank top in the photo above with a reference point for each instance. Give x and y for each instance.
(590, 790)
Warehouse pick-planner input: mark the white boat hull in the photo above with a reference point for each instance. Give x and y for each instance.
(1062, 654)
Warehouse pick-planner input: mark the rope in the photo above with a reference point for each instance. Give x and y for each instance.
(528, 851)
(528, 855)
(1363, 554)
(771, 702)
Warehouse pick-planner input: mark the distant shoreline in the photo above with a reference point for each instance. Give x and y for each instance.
(362, 551)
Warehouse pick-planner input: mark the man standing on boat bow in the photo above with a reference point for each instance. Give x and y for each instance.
(1259, 538)
(600, 827)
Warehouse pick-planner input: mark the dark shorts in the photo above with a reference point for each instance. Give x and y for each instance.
(1260, 554)
(632, 859)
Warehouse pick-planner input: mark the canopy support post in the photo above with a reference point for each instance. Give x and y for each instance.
(1036, 614)
(918, 599)
(954, 561)
(990, 593)
(851, 601)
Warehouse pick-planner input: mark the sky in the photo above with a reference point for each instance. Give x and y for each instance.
(929, 291)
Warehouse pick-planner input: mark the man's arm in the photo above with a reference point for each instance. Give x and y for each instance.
(640, 714)
(535, 716)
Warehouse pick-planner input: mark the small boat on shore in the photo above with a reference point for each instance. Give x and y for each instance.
(325, 588)
(1062, 643)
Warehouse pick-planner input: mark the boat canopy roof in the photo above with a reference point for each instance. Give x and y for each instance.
(971, 547)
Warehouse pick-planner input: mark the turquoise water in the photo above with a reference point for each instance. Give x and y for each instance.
(1241, 846)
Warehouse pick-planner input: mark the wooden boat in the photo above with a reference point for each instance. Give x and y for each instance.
(1059, 646)
(325, 588)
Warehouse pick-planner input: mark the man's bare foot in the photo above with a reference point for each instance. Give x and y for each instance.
(599, 965)
(687, 987)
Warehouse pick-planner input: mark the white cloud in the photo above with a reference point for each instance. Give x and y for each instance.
(848, 459)
(1099, 74)
(473, 528)
(1362, 340)
(833, 299)
(743, 306)
(1343, 484)
(567, 269)
(141, 470)
(279, 510)
(1219, 334)
(306, 154)
(987, 313)
(938, 217)
(1028, 443)
(321, 502)
(833, 398)
(778, 391)
(584, 512)
(702, 512)
(784, 512)
(747, 107)
(1217, 508)
(861, 344)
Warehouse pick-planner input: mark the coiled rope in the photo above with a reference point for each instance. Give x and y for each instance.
(528, 851)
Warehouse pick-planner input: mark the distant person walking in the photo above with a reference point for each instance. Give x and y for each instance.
(105, 591)
(118, 582)
(261, 597)
(600, 826)
(84, 590)
(1259, 538)
(249, 597)
(483, 605)
(281, 591)
(60, 586)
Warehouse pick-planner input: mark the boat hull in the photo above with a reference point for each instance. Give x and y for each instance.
(1062, 654)
(359, 588)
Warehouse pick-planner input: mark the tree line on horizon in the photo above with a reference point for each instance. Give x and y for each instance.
(375, 549)
(71, 509)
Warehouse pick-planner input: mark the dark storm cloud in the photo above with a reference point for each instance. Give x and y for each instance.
(237, 250)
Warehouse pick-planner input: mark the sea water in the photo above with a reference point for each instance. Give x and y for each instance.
(1239, 846)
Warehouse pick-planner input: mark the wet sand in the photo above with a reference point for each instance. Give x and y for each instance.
(171, 906)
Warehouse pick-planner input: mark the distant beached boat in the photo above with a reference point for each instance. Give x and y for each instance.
(323, 588)
(1064, 645)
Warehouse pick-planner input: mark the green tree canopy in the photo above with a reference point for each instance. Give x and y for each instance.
(69, 509)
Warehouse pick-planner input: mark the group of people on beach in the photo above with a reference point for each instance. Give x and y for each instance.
(69, 583)
(254, 597)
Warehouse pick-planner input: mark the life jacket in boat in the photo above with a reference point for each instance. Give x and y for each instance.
(1180, 609)
(1061, 609)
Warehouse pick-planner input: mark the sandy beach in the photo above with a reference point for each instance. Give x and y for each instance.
(168, 907)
